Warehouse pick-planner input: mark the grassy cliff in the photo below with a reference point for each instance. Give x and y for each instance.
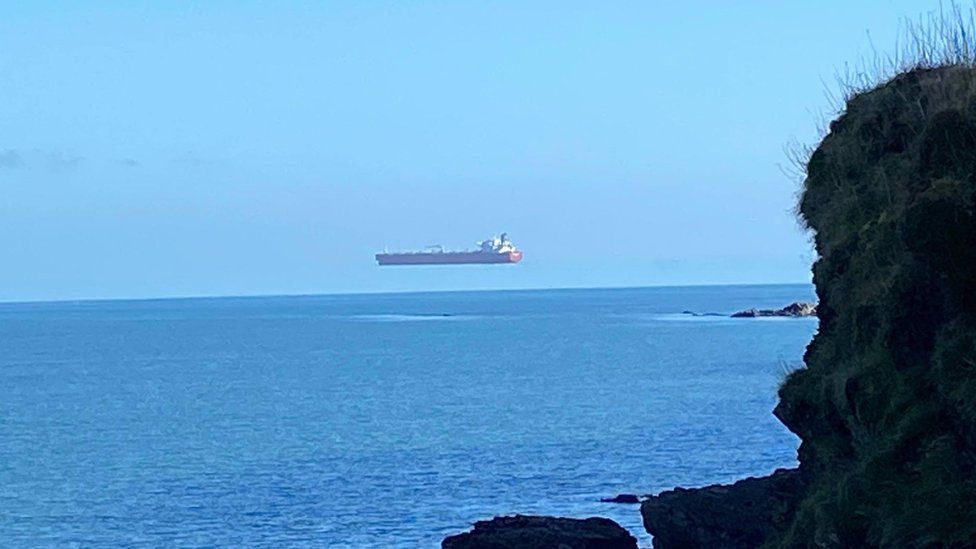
(886, 405)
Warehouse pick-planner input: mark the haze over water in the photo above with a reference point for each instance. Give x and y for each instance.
(377, 420)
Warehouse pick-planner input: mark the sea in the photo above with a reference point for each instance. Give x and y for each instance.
(387, 420)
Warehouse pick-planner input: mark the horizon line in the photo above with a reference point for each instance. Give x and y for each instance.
(382, 293)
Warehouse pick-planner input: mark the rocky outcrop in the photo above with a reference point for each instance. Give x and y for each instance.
(537, 532)
(741, 515)
(796, 309)
(885, 405)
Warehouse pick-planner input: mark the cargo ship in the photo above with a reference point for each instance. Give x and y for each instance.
(498, 249)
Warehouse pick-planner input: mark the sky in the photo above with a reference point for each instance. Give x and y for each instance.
(246, 148)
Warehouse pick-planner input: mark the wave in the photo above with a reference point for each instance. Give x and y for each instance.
(409, 317)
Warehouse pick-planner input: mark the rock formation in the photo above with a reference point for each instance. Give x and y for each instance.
(535, 532)
(886, 403)
(886, 406)
(742, 515)
(796, 309)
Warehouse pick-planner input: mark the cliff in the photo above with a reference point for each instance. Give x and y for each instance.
(886, 406)
(886, 403)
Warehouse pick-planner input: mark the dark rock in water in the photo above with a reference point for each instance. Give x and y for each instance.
(536, 532)
(797, 309)
(743, 514)
(622, 498)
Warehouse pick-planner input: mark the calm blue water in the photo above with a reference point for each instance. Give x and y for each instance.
(372, 420)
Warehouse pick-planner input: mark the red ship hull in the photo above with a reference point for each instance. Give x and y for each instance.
(448, 258)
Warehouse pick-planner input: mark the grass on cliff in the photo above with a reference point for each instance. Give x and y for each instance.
(941, 38)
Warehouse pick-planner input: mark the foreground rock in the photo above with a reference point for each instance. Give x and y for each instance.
(743, 514)
(796, 309)
(536, 532)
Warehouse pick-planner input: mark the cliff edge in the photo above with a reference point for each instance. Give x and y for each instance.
(886, 403)
(886, 406)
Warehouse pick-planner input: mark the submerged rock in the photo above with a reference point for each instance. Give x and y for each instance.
(693, 313)
(538, 532)
(796, 309)
(743, 514)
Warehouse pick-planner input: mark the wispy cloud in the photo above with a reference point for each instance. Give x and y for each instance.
(58, 161)
(11, 159)
(51, 160)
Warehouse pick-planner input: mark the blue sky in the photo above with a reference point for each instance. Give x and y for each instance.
(232, 148)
